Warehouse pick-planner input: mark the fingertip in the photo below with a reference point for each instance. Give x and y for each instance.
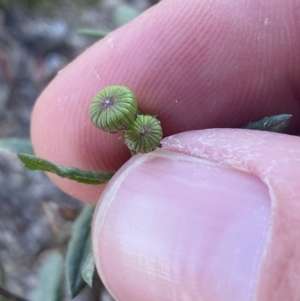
(173, 225)
(186, 63)
(212, 215)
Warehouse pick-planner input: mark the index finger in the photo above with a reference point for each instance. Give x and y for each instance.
(196, 64)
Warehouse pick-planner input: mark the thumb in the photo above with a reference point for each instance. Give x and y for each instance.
(213, 215)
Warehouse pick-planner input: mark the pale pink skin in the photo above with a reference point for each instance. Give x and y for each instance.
(275, 160)
(169, 226)
(197, 64)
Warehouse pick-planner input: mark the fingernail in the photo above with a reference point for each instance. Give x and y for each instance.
(174, 227)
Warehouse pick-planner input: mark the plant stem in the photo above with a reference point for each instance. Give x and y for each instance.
(10, 296)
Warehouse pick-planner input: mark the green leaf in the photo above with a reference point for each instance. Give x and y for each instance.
(2, 275)
(2, 280)
(89, 268)
(277, 123)
(72, 173)
(17, 145)
(92, 33)
(78, 250)
(51, 284)
(125, 13)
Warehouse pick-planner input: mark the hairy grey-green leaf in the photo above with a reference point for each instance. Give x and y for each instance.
(89, 268)
(51, 279)
(2, 280)
(92, 33)
(277, 123)
(72, 173)
(2, 275)
(125, 13)
(17, 145)
(78, 250)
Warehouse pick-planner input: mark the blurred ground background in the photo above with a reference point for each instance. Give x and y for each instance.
(37, 39)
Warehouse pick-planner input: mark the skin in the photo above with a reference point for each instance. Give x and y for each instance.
(198, 64)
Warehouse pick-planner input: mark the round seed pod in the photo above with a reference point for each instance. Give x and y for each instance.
(144, 134)
(113, 108)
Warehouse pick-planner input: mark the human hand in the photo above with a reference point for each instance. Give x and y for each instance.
(172, 226)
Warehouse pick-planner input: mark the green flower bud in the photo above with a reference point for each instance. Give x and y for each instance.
(144, 134)
(113, 108)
